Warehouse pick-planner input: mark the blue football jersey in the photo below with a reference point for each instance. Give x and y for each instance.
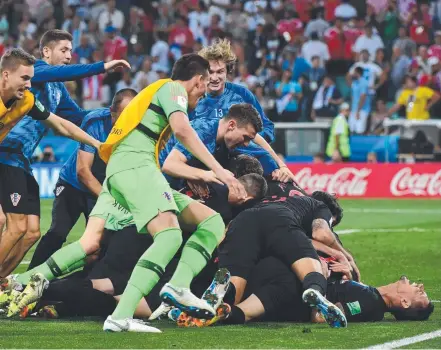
(97, 124)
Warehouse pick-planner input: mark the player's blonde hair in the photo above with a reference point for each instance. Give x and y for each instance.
(220, 50)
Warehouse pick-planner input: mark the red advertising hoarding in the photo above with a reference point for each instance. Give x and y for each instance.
(371, 180)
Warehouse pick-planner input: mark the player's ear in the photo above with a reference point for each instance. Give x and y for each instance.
(46, 51)
(405, 303)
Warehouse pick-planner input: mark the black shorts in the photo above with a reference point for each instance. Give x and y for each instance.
(279, 290)
(19, 191)
(124, 248)
(261, 232)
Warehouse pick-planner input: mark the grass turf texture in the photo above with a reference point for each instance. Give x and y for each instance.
(382, 257)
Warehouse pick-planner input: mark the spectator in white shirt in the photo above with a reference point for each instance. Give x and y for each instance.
(371, 71)
(126, 82)
(160, 51)
(368, 41)
(317, 24)
(111, 16)
(315, 47)
(146, 76)
(345, 11)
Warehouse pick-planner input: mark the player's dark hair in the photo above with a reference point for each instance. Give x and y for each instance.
(244, 164)
(255, 185)
(413, 314)
(14, 58)
(120, 96)
(331, 202)
(243, 114)
(53, 36)
(188, 66)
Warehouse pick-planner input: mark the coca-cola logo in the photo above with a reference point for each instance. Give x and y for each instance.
(405, 183)
(344, 182)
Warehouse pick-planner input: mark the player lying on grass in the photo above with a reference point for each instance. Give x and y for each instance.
(280, 227)
(132, 158)
(21, 200)
(80, 180)
(99, 289)
(222, 95)
(274, 294)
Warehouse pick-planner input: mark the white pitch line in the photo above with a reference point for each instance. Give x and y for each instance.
(408, 341)
(386, 230)
(393, 211)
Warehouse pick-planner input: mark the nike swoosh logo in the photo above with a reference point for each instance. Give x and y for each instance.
(178, 292)
(199, 114)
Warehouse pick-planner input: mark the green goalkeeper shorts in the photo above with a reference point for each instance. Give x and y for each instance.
(145, 192)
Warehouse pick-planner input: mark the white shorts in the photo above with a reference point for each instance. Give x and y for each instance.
(358, 126)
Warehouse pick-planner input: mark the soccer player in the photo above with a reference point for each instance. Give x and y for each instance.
(17, 70)
(133, 179)
(238, 128)
(21, 201)
(80, 179)
(281, 227)
(222, 95)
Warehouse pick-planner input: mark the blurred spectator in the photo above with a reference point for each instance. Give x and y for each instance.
(360, 103)
(160, 50)
(76, 28)
(115, 46)
(420, 25)
(94, 92)
(215, 30)
(319, 158)
(146, 76)
(315, 75)
(435, 49)
(111, 16)
(317, 25)
(199, 21)
(181, 35)
(137, 57)
(368, 41)
(266, 102)
(416, 99)
(315, 48)
(98, 7)
(85, 50)
(237, 24)
(390, 25)
(403, 44)
(296, 64)
(377, 118)
(245, 78)
(400, 68)
(126, 82)
(289, 94)
(372, 158)
(382, 86)
(48, 155)
(95, 37)
(305, 103)
(345, 11)
(338, 147)
(327, 99)
(371, 71)
(26, 27)
(420, 64)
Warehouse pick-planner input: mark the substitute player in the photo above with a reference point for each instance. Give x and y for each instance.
(16, 150)
(153, 204)
(17, 70)
(222, 95)
(81, 178)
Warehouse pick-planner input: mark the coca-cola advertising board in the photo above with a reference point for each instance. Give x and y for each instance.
(371, 180)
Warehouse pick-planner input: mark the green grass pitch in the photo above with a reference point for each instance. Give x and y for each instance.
(389, 238)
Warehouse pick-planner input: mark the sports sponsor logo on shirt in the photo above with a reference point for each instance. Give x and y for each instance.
(15, 199)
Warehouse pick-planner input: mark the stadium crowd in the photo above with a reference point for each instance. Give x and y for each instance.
(195, 147)
(298, 57)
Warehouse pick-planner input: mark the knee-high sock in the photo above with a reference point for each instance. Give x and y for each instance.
(197, 251)
(60, 263)
(148, 270)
